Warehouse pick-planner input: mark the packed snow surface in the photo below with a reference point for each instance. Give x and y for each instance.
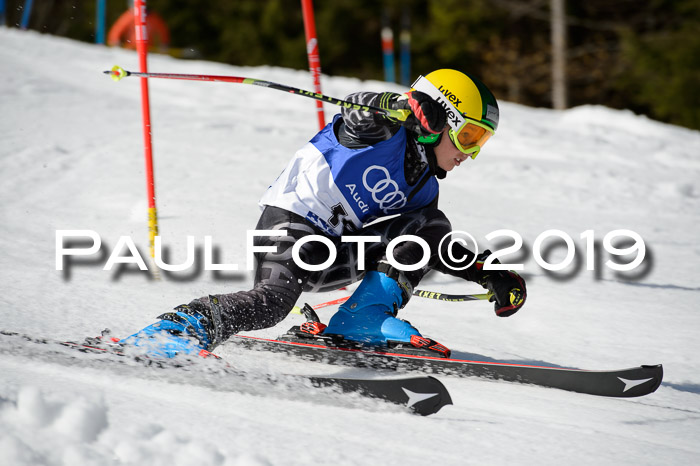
(71, 158)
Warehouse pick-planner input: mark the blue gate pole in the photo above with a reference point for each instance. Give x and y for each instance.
(405, 39)
(2, 12)
(388, 52)
(101, 21)
(26, 13)
(388, 47)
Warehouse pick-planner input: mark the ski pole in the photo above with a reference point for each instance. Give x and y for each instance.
(297, 309)
(453, 298)
(117, 73)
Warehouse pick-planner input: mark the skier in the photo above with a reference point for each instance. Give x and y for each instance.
(359, 168)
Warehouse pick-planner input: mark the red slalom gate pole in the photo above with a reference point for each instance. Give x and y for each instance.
(142, 50)
(307, 9)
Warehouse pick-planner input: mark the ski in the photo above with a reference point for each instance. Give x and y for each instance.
(423, 395)
(632, 382)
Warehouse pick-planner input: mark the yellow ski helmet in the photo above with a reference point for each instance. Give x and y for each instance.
(472, 110)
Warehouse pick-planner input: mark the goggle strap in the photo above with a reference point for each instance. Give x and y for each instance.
(454, 118)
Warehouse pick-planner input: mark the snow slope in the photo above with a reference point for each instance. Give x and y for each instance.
(71, 157)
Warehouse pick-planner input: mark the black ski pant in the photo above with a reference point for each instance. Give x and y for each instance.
(279, 280)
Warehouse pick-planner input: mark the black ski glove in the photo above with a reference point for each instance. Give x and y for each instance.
(507, 287)
(427, 117)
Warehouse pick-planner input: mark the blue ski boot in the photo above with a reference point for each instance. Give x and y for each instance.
(188, 330)
(369, 316)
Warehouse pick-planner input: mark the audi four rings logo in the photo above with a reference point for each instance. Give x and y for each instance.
(385, 191)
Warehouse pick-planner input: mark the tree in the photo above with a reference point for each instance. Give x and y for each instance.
(624, 54)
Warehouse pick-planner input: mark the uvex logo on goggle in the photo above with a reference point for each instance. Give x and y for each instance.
(454, 119)
(450, 96)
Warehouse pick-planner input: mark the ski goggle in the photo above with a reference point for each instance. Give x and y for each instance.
(470, 137)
